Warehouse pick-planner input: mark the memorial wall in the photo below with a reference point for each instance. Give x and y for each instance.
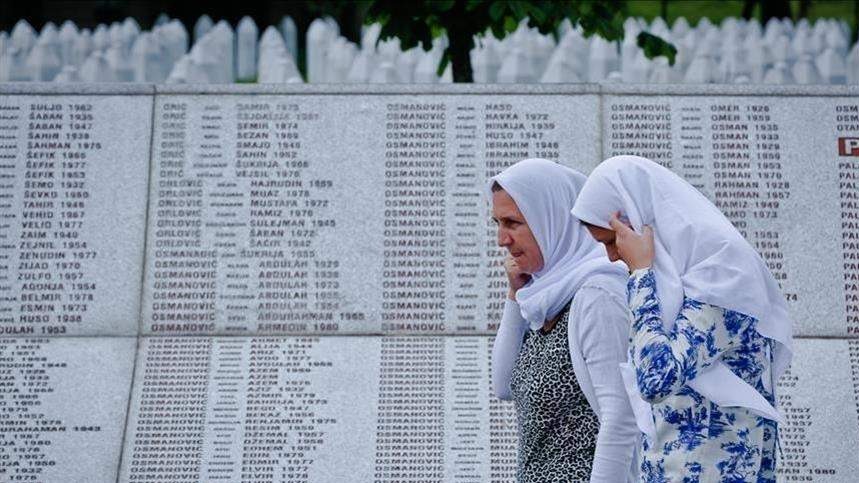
(298, 283)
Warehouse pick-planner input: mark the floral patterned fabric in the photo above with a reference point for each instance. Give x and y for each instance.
(696, 440)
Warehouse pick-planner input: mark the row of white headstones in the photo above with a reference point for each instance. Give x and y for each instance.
(736, 51)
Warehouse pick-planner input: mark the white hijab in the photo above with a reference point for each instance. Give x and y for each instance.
(544, 191)
(699, 254)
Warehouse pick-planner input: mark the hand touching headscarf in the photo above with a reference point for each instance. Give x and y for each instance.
(698, 252)
(544, 191)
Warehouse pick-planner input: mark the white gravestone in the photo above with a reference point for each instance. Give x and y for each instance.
(247, 33)
(290, 35)
(202, 27)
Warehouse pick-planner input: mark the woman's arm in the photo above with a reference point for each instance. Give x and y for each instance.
(508, 341)
(601, 322)
(665, 360)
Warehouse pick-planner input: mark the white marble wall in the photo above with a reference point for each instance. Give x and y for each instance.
(344, 376)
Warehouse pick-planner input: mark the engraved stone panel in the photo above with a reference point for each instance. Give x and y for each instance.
(819, 398)
(406, 409)
(334, 409)
(243, 409)
(780, 169)
(73, 181)
(339, 214)
(63, 404)
(322, 214)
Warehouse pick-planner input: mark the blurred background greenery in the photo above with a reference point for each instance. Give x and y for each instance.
(717, 10)
(351, 15)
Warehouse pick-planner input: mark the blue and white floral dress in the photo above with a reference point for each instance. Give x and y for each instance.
(696, 440)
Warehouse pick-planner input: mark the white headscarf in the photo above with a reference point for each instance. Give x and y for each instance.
(544, 191)
(699, 254)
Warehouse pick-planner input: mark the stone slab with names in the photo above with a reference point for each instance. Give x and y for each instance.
(265, 409)
(819, 398)
(73, 187)
(290, 228)
(782, 169)
(339, 214)
(410, 409)
(63, 405)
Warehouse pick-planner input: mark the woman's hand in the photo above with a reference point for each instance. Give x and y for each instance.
(515, 276)
(636, 250)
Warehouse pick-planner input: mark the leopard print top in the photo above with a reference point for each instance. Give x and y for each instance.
(557, 427)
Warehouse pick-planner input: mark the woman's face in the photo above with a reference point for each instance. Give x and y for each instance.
(514, 233)
(607, 238)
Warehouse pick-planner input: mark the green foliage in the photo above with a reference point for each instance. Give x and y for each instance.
(654, 46)
(412, 22)
(334, 8)
(416, 22)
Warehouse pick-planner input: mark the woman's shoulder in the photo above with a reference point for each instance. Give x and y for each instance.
(599, 306)
(602, 285)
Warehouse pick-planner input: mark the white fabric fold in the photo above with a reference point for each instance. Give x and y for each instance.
(740, 395)
(640, 408)
(699, 254)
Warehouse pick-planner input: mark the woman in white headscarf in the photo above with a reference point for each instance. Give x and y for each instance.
(710, 334)
(563, 332)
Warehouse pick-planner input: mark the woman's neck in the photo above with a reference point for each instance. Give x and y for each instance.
(549, 324)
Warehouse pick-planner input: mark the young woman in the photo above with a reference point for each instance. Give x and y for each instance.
(710, 334)
(563, 332)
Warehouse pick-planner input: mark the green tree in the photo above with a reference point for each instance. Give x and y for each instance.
(416, 22)
(772, 9)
